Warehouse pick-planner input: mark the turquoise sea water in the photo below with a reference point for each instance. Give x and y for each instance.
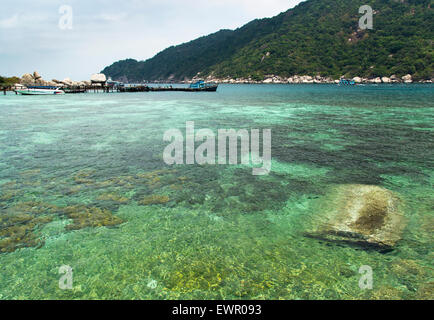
(83, 184)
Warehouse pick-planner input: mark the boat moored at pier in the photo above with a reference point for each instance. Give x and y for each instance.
(347, 82)
(40, 90)
(203, 86)
(199, 86)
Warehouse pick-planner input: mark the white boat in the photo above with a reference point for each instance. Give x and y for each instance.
(40, 90)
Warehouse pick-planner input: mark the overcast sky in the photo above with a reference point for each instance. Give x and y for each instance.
(105, 31)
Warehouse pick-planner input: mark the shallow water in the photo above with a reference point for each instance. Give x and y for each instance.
(83, 184)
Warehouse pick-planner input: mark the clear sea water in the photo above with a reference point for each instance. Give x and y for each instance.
(83, 184)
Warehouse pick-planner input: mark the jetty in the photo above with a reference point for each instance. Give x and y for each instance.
(100, 84)
(124, 88)
(199, 86)
(4, 89)
(162, 89)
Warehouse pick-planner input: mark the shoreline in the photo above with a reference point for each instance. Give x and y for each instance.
(4, 91)
(296, 79)
(99, 81)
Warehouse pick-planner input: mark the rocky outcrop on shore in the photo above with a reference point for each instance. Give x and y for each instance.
(36, 79)
(98, 78)
(360, 215)
(306, 79)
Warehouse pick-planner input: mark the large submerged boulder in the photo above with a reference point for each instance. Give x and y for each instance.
(360, 215)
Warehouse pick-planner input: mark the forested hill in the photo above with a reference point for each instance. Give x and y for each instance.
(316, 37)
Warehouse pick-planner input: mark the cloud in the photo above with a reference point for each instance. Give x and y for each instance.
(112, 17)
(105, 31)
(9, 22)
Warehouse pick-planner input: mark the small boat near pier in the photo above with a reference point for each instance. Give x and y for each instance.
(199, 86)
(40, 91)
(346, 82)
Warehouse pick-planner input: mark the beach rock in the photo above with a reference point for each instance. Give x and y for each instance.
(67, 81)
(27, 79)
(98, 78)
(386, 80)
(360, 215)
(41, 82)
(36, 75)
(357, 80)
(407, 78)
(394, 79)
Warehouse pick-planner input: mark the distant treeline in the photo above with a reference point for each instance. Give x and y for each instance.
(8, 82)
(317, 37)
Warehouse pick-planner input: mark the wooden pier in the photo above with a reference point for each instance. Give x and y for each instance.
(5, 89)
(138, 88)
(166, 89)
(105, 88)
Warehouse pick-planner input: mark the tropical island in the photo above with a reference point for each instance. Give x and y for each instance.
(318, 41)
(315, 42)
(298, 191)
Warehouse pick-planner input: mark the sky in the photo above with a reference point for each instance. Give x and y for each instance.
(76, 38)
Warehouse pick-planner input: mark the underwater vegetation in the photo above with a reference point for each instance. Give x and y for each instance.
(19, 222)
(154, 199)
(84, 217)
(82, 183)
(197, 274)
(113, 197)
(83, 177)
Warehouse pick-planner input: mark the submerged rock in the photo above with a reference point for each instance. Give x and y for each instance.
(362, 215)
